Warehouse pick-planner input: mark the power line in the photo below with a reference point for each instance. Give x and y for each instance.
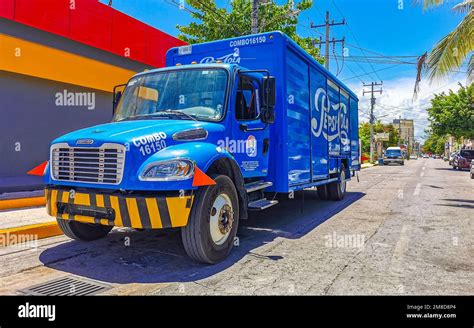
(181, 7)
(379, 70)
(353, 35)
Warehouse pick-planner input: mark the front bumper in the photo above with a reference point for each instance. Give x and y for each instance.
(393, 160)
(140, 212)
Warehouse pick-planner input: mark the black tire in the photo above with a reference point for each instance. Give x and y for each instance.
(83, 231)
(196, 236)
(472, 175)
(402, 163)
(337, 190)
(323, 192)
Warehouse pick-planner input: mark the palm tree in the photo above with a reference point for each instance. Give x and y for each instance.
(453, 50)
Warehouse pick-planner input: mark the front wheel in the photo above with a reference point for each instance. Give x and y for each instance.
(83, 231)
(337, 190)
(213, 222)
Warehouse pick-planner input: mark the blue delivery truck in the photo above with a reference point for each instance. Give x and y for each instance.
(200, 143)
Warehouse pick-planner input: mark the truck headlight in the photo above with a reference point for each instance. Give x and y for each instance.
(173, 170)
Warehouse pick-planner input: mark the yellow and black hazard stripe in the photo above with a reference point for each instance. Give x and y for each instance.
(135, 212)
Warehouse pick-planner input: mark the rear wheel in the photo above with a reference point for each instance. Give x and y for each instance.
(213, 222)
(323, 192)
(472, 175)
(337, 190)
(83, 231)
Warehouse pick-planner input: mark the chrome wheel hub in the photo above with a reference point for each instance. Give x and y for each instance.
(221, 219)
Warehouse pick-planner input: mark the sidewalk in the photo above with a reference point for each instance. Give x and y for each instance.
(367, 165)
(26, 224)
(22, 199)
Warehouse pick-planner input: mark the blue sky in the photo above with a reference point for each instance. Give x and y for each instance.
(388, 27)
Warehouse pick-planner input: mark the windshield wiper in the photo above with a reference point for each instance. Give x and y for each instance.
(175, 111)
(137, 117)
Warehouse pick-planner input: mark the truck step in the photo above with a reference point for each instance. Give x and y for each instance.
(261, 204)
(258, 185)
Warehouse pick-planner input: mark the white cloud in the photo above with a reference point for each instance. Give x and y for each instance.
(396, 100)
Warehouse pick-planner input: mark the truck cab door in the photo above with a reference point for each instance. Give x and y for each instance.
(250, 142)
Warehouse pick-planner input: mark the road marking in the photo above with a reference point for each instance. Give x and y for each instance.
(400, 250)
(422, 174)
(417, 189)
(396, 264)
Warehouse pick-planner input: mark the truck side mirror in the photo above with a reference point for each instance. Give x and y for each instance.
(269, 99)
(117, 94)
(269, 91)
(117, 97)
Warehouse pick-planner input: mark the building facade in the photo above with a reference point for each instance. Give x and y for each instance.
(406, 131)
(59, 62)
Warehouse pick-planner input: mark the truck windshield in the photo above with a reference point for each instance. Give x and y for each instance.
(192, 94)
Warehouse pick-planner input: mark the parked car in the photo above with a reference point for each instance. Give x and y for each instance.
(393, 155)
(472, 170)
(463, 159)
(436, 156)
(413, 156)
(451, 157)
(426, 156)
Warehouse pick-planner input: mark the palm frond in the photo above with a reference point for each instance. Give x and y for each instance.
(452, 50)
(429, 3)
(420, 68)
(464, 7)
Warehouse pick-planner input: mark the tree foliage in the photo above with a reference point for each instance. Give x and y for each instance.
(214, 23)
(453, 113)
(434, 144)
(379, 127)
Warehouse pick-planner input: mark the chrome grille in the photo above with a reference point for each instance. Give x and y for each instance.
(88, 164)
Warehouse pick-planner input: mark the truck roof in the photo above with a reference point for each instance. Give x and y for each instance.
(162, 69)
(293, 44)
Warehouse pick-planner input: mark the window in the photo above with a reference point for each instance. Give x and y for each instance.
(247, 100)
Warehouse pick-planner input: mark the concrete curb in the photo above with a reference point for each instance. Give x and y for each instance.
(8, 204)
(28, 233)
(367, 165)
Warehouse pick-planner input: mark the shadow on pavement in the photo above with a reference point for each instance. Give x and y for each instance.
(129, 256)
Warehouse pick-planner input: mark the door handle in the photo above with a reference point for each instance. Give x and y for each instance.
(245, 128)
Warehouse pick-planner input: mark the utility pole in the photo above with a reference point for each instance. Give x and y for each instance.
(255, 16)
(399, 130)
(372, 117)
(328, 25)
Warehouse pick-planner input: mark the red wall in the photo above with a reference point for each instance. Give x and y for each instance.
(95, 24)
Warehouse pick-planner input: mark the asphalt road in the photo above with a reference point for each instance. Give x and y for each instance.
(400, 230)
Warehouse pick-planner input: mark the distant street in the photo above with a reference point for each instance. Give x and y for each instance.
(400, 230)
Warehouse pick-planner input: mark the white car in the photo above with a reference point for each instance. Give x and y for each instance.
(413, 156)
